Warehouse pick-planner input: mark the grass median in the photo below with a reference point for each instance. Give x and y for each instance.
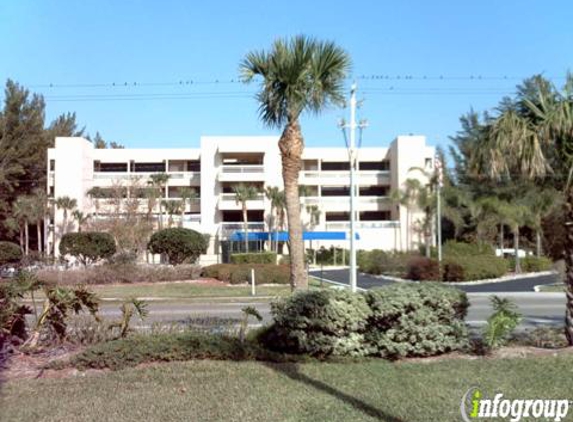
(372, 390)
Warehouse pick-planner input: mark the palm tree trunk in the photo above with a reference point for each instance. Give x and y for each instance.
(538, 242)
(407, 229)
(501, 235)
(569, 268)
(246, 227)
(516, 246)
(65, 222)
(291, 145)
(22, 237)
(27, 237)
(39, 234)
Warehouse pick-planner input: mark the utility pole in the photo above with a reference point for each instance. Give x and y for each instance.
(440, 182)
(351, 144)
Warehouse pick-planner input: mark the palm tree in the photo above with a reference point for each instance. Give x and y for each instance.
(515, 216)
(272, 194)
(80, 218)
(397, 198)
(187, 195)
(300, 75)
(532, 144)
(540, 203)
(67, 204)
(23, 210)
(314, 220)
(159, 181)
(40, 210)
(244, 193)
(172, 207)
(96, 193)
(411, 191)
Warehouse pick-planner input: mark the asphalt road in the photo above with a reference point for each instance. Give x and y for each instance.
(366, 281)
(537, 309)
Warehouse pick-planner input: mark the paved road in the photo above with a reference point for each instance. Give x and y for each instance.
(537, 309)
(366, 281)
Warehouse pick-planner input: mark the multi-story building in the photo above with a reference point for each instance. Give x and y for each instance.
(221, 163)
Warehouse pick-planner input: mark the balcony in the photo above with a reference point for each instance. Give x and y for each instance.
(228, 227)
(337, 177)
(345, 225)
(176, 178)
(228, 202)
(246, 173)
(342, 203)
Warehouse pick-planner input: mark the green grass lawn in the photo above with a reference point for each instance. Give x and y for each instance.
(188, 290)
(374, 390)
(552, 288)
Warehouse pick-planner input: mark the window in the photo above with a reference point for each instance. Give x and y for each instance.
(428, 163)
(375, 216)
(110, 167)
(335, 166)
(51, 192)
(337, 216)
(383, 165)
(373, 190)
(253, 216)
(335, 190)
(148, 167)
(52, 165)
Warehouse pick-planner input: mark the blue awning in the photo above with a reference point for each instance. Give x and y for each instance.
(283, 236)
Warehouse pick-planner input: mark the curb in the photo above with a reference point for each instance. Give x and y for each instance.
(476, 282)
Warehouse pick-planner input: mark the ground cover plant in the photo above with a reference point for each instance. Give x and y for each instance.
(241, 273)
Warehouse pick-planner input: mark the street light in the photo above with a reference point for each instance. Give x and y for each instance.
(352, 158)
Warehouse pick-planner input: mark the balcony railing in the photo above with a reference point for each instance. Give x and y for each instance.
(231, 197)
(242, 169)
(345, 225)
(317, 200)
(343, 174)
(134, 175)
(241, 226)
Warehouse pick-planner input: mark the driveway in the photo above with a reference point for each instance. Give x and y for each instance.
(366, 281)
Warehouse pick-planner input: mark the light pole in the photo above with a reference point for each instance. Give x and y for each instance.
(352, 157)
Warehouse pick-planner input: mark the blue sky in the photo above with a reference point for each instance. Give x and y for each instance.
(89, 42)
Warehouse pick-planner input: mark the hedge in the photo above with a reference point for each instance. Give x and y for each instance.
(423, 269)
(462, 249)
(381, 262)
(88, 247)
(411, 319)
(477, 267)
(241, 273)
(9, 253)
(531, 264)
(254, 258)
(319, 323)
(179, 244)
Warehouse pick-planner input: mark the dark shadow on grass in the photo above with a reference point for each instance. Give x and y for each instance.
(291, 371)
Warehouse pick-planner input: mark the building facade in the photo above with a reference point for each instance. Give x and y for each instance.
(212, 171)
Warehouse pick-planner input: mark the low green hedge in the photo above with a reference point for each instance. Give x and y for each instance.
(531, 264)
(241, 273)
(319, 323)
(411, 319)
(138, 349)
(382, 262)
(470, 268)
(462, 249)
(423, 269)
(254, 258)
(9, 253)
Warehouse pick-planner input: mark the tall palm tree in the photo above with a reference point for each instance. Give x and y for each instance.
(159, 181)
(540, 203)
(515, 215)
(172, 207)
(40, 209)
(411, 192)
(298, 75)
(314, 220)
(23, 212)
(243, 194)
(96, 193)
(272, 194)
(66, 204)
(532, 144)
(81, 218)
(187, 196)
(397, 198)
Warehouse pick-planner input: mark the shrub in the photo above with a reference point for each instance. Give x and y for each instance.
(138, 349)
(178, 244)
(88, 247)
(254, 258)
(381, 262)
(532, 264)
(461, 249)
(501, 323)
(411, 319)
(10, 253)
(319, 323)
(545, 337)
(423, 269)
(453, 271)
(119, 273)
(241, 273)
(477, 267)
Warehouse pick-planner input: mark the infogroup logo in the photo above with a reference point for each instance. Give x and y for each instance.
(475, 405)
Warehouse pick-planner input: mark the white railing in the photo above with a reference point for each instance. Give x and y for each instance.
(242, 169)
(231, 197)
(343, 174)
(345, 225)
(146, 175)
(317, 200)
(241, 226)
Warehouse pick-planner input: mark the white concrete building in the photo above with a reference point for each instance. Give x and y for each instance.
(75, 167)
